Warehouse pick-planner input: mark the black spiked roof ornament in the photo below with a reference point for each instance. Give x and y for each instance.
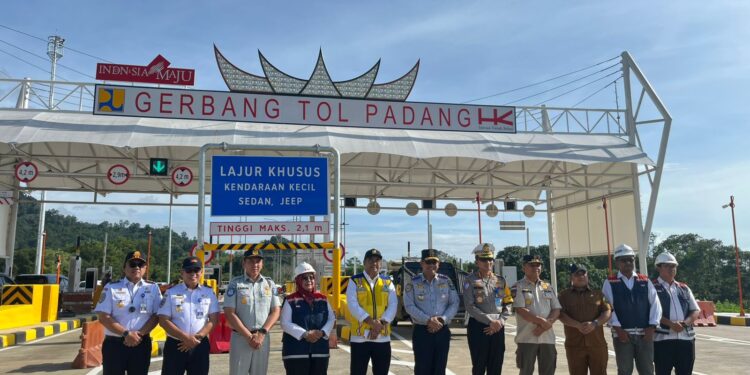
(275, 81)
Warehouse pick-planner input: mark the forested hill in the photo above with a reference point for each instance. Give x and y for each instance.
(63, 230)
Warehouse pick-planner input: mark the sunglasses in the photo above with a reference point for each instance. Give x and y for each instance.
(193, 271)
(308, 278)
(431, 261)
(486, 260)
(136, 264)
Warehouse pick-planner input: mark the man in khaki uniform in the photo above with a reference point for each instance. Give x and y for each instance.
(251, 308)
(537, 308)
(584, 312)
(486, 298)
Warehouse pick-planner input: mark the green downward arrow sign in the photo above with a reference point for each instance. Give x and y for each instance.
(159, 166)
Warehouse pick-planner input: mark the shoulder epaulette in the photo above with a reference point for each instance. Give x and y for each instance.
(613, 278)
(385, 277)
(416, 278)
(641, 277)
(441, 276)
(358, 276)
(681, 284)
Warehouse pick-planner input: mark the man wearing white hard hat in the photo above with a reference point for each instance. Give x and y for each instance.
(307, 320)
(636, 312)
(674, 344)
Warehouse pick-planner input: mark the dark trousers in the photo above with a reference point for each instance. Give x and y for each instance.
(430, 350)
(194, 361)
(679, 354)
(363, 352)
(306, 366)
(486, 351)
(117, 359)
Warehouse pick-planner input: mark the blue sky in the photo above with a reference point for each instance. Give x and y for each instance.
(694, 54)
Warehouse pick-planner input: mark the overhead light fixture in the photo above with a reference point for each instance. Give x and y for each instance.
(451, 209)
(373, 208)
(492, 210)
(529, 211)
(412, 209)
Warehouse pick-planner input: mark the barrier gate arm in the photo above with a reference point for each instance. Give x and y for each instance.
(313, 149)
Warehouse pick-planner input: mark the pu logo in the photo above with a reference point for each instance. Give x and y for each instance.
(111, 100)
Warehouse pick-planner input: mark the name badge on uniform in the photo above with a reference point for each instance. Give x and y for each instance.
(479, 299)
(527, 296)
(243, 300)
(420, 297)
(199, 314)
(144, 308)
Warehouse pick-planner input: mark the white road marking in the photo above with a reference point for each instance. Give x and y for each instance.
(722, 339)
(38, 340)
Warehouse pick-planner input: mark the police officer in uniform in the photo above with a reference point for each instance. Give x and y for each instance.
(431, 301)
(537, 308)
(636, 312)
(674, 344)
(251, 308)
(371, 298)
(584, 312)
(486, 299)
(187, 313)
(127, 309)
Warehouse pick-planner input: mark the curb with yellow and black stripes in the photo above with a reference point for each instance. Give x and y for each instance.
(48, 329)
(742, 321)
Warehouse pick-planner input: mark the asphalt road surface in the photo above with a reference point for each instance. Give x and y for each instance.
(720, 350)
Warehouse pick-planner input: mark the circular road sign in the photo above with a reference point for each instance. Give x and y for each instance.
(26, 171)
(208, 256)
(182, 176)
(329, 257)
(118, 174)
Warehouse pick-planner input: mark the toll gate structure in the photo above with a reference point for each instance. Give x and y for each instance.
(563, 160)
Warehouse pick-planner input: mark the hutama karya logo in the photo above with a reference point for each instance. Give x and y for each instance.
(111, 100)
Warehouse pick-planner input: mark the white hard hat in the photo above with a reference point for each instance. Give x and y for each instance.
(665, 258)
(303, 267)
(624, 251)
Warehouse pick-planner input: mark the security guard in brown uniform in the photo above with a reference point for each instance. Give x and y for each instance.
(486, 299)
(584, 312)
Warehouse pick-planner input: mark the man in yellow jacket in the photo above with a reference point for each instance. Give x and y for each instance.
(372, 302)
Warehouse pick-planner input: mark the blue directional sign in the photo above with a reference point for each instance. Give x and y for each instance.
(268, 185)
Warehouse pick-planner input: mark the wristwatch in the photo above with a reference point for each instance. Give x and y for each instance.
(263, 331)
(441, 320)
(125, 334)
(596, 322)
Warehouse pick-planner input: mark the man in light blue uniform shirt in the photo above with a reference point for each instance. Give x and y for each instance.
(431, 301)
(127, 310)
(188, 312)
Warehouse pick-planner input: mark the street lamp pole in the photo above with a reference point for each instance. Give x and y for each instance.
(736, 254)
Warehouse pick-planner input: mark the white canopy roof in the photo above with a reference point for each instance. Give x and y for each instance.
(74, 150)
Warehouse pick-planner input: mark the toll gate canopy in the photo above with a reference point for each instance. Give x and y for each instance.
(561, 159)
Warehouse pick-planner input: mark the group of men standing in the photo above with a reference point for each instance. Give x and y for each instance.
(651, 320)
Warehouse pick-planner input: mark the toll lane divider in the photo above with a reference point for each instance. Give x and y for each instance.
(733, 320)
(30, 334)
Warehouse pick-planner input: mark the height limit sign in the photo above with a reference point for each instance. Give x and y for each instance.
(118, 174)
(182, 176)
